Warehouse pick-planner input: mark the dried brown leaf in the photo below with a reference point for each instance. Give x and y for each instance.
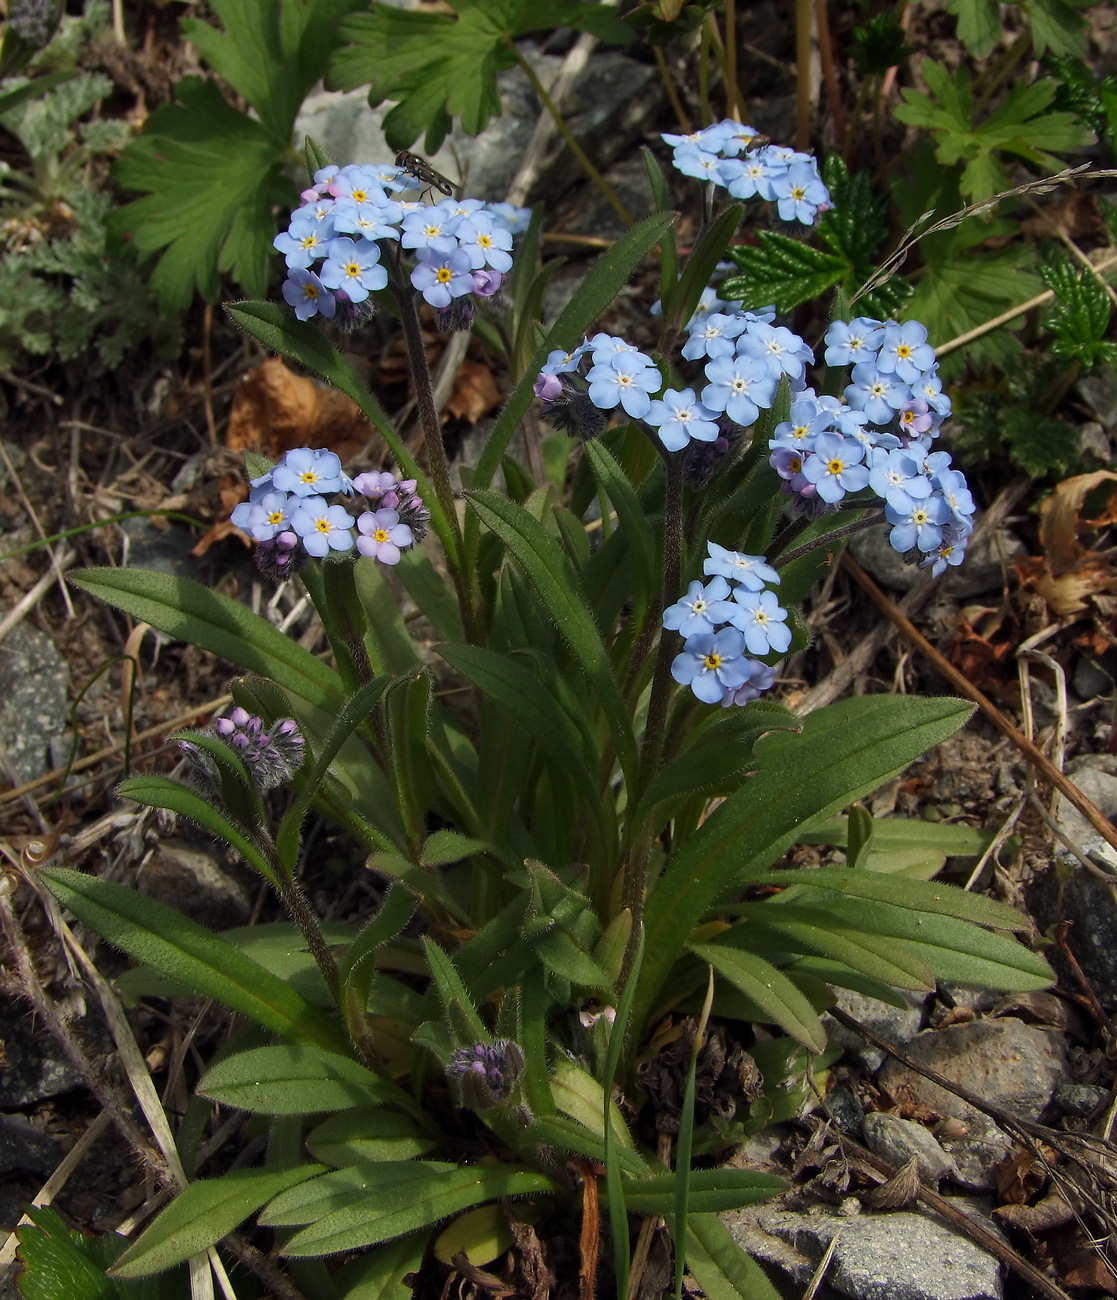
(1061, 522)
(900, 1190)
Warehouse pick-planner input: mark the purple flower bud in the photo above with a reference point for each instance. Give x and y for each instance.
(548, 387)
(486, 1073)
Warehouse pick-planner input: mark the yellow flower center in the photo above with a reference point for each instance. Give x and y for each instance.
(381, 535)
(835, 466)
(276, 517)
(308, 476)
(904, 352)
(485, 241)
(444, 275)
(322, 525)
(712, 660)
(352, 270)
(359, 195)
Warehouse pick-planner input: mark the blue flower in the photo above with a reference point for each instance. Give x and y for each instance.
(486, 241)
(430, 228)
(603, 347)
(563, 363)
(305, 292)
(751, 177)
(323, 528)
(759, 617)
(442, 277)
(905, 352)
(950, 551)
(762, 677)
(782, 350)
(920, 526)
(713, 336)
(264, 518)
(751, 571)
(679, 418)
(809, 418)
(848, 343)
(694, 161)
(878, 394)
(305, 472)
(835, 467)
(712, 663)
(956, 493)
(897, 478)
(355, 267)
(367, 220)
(624, 380)
(302, 244)
(691, 614)
(800, 193)
(739, 386)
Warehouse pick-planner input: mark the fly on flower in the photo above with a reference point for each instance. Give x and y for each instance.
(423, 172)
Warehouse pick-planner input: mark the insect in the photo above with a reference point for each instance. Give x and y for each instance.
(422, 171)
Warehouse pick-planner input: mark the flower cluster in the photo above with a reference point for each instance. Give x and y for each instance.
(289, 515)
(737, 158)
(725, 621)
(880, 438)
(486, 1073)
(271, 757)
(461, 247)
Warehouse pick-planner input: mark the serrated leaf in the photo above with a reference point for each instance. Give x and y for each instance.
(187, 611)
(439, 66)
(1040, 444)
(777, 997)
(212, 178)
(979, 24)
(201, 1215)
(783, 271)
(1081, 313)
(156, 934)
(857, 223)
(1056, 26)
(404, 1197)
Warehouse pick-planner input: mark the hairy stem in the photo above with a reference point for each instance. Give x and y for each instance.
(817, 544)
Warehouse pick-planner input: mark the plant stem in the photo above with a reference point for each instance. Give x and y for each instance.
(733, 98)
(297, 904)
(651, 750)
(607, 191)
(817, 544)
(804, 15)
(672, 91)
(432, 436)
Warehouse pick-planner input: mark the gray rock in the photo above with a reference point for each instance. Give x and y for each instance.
(976, 1152)
(1090, 679)
(848, 1113)
(34, 1068)
(34, 679)
(901, 1256)
(1007, 1063)
(898, 1140)
(1080, 1099)
(1100, 787)
(24, 1147)
(1100, 391)
(983, 570)
(193, 881)
(1069, 893)
(1093, 442)
(164, 548)
(897, 1024)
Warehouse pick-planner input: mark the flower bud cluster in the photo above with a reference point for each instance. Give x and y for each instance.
(725, 621)
(289, 515)
(486, 1073)
(736, 157)
(461, 247)
(270, 755)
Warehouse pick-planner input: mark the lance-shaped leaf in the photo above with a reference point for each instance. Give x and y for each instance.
(190, 612)
(535, 550)
(293, 1080)
(843, 752)
(403, 1197)
(722, 1268)
(711, 1190)
(204, 1213)
(156, 934)
(772, 991)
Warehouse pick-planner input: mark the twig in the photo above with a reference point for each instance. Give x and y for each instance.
(27, 602)
(961, 683)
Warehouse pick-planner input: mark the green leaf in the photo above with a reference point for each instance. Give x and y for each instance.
(701, 265)
(355, 1136)
(1056, 26)
(439, 66)
(202, 1214)
(844, 751)
(952, 949)
(403, 1197)
(58, 1262)
(878, 45)
(633, 517)
(190, 612)
(380, 1274)
(783, 271)
(891, 833)
(711, 1191)
(535, 550)
(163, 792)
(156, 934)
(578, 1095)
(1080, 316)
(723, 1269)
(211, 177)
(290, 1080)
(918, 895)
(596, 292)
(782, 1003)
(453, 994)
(979, 24)
(857, 223)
